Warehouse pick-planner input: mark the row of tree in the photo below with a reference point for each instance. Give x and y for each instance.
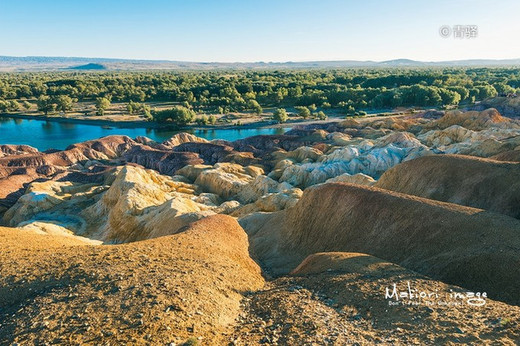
(348, 90)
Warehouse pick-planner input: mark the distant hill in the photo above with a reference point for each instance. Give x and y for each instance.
(90, 66)
(42, 63)
(403, 62)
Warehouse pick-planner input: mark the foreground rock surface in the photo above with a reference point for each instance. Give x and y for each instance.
(200, 286)
(339, 299)
(170, 289)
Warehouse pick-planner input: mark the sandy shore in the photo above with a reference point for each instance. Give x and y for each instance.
(153, 125)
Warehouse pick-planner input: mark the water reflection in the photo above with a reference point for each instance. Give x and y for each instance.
(67, 126)
(47, 127)
(279, 131)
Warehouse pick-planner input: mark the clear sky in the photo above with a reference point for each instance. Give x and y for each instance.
(267, 30)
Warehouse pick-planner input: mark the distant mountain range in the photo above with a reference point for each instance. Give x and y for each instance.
(42, 63)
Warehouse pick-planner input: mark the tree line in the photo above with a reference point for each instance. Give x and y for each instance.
(350, 91)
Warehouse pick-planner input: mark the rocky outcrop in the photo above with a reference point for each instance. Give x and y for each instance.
(13, 184)
(507, 106)
(465, 180)
(459, 245)
(130, 204)
(371, 158)
(270, 202)
(473, 120)
(147, 141)
(179, 139)
(459, 140)
(54, 201)
(447, 136)
(260, 186)
(9, 150)
(226, 179)
(359, 178)
(263, 144)
(164, 162)
(110, 146)
(54, 231)
(105, 148)
(309, 174)
(338, 138)
(210, 153)
(192, 172)
(304, 154)
(141, 204)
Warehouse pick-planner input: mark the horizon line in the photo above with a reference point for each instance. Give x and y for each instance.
(258, 61)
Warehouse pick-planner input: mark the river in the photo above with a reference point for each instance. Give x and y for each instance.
(45, 135)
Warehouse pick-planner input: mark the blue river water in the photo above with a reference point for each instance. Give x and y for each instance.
(45, 135)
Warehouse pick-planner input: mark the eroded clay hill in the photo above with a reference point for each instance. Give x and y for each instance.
(511, 155)
(445, 205)
(465, 246)
(55, 289)
(476, 182)
(262, 173)
(338, 298)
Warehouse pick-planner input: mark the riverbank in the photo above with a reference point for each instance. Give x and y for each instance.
(265, 123)
(133, 124)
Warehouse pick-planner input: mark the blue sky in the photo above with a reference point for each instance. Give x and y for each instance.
(228, 31)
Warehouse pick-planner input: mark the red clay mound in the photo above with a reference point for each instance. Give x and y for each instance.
(154, 292)
(163, 161)
(21, 165)
(459, 245)
(13, 186)
(108, 147)
(466, 180)
(472, 120)
(111, 146)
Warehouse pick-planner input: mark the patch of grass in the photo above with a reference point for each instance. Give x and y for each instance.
(505, 322)
(191, 342)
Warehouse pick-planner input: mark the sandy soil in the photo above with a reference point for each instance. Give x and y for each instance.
(344, 303)
(171, 289)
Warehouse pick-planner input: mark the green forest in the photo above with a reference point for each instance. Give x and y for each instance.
(349, 91)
